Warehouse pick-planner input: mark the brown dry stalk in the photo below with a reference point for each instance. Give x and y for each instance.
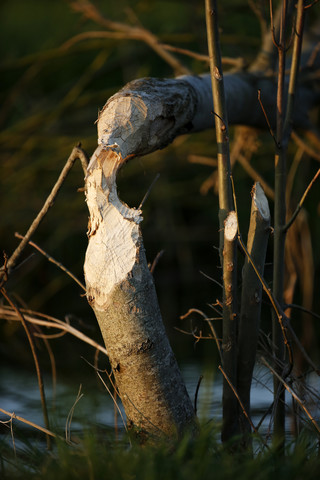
(208, 320)
(235, 62)
(70, 417)
(267, 118)
(27, 422)
(50, 322)
(139, 33)
(202, 160)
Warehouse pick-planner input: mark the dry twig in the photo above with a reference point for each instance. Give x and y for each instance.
(77, 152)
(208, 320)
(27, 422)
(126, 31)
(50, 322)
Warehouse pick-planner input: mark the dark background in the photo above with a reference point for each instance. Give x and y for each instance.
(50, 97)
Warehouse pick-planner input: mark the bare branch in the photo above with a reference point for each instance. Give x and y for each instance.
(49, 322)
(27, 422)
(89, 10)
(77, 152)
(208, 320)
(267, 119)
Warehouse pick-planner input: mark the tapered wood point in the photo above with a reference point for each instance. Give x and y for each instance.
(260, 200)
(231, 226)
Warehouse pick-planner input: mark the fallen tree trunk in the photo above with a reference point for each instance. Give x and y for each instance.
(121, 291)
(149, 113)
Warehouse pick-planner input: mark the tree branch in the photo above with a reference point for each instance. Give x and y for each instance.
(77, 152)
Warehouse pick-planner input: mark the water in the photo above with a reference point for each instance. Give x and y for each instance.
(19, 393)
(209, 405)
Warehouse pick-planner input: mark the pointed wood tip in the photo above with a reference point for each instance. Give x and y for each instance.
(231, 226)
(260, 201)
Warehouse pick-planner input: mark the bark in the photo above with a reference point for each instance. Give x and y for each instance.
(121, 291)
(284, 127)
(251, 298)
(229, 341)
(149, 113)
(227, 223)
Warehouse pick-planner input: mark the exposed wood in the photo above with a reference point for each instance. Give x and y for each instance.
(148, 114)
(121, 291)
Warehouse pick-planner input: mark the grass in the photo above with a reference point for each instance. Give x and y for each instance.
(98, 456)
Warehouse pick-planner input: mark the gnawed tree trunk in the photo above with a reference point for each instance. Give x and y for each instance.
(121, 291)
(144, 116)
(148, 114)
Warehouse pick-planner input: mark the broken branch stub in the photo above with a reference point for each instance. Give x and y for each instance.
(121, 291)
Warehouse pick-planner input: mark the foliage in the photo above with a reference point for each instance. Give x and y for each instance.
(99, 456)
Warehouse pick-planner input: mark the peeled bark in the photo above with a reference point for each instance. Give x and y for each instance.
(121, 291)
